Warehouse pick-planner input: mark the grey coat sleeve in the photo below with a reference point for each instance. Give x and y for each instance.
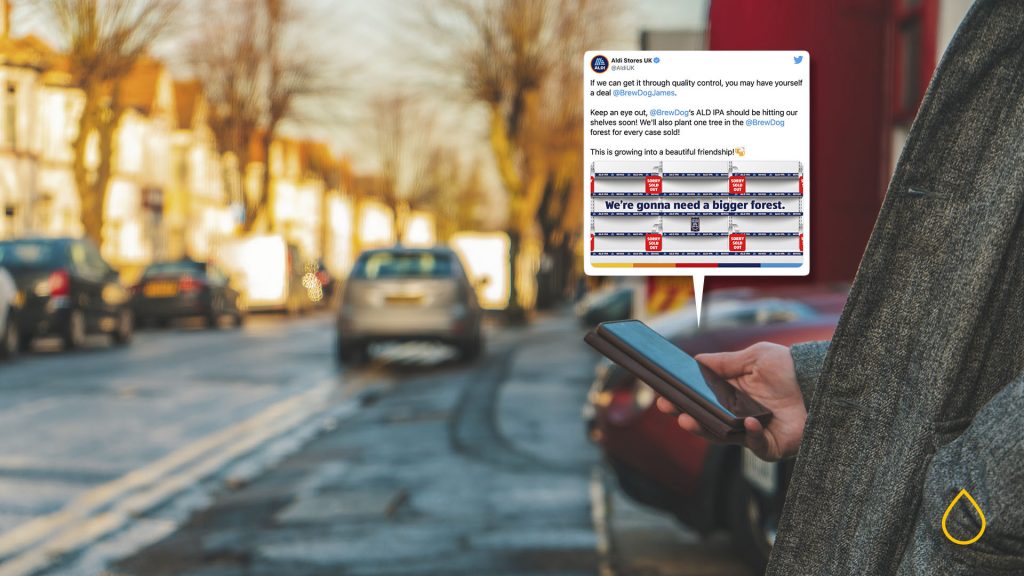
(808, 359)
(987, 460)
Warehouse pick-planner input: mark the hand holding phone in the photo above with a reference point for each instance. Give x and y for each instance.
(763, 373)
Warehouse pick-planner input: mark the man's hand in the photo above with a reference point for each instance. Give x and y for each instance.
(766, 373)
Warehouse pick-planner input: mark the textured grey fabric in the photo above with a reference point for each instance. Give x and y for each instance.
(808, 359)
(933, 333)
(988, 459)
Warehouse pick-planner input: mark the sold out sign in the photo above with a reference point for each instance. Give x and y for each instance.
(737, 184)
(737, 242)
(653, 242)
(653, 184)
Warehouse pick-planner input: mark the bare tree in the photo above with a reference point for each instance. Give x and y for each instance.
(589, 23)
(454, 191)
(402, 133)
(521, 59)
(256, 69)
(104, 40)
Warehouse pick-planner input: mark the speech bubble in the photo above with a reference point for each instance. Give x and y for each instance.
(698, 164)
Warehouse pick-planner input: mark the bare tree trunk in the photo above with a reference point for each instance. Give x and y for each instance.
(91, 206)
(504, 156)
(266, 180)
(110, 118)
(400, 215)
(514, 312)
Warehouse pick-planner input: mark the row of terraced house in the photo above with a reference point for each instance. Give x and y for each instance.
(172, 192)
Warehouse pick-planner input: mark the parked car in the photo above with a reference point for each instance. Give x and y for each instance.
(408, 294)
(68, 290)
(9, 304)
(606, 305)
(706, 486)
(186, 288)
(270, 272)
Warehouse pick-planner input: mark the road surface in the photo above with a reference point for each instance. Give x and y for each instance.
(247, 452)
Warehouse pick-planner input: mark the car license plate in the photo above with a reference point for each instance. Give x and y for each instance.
(160, 290)
(403, 299)
(760, 474)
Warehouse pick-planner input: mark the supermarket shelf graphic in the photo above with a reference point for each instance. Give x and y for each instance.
(714, 213)
(696, 233)
(621, 215)
(685, 194)
(747, 253)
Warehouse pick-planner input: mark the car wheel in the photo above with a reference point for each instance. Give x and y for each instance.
(471, 350)
(351, 353)
(748, 523)
(11, 344)
(74, 333)
(25, 342)
(212, 319)
(125, 330)
(240, 311)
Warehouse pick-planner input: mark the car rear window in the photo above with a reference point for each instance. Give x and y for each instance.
(403, 265)
(25, 254)
(173, 269)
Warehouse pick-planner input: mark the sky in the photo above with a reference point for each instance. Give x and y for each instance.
(376, 36)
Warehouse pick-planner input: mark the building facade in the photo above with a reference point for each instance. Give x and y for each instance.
(171, 193)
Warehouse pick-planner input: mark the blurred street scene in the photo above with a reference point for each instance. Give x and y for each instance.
(296, 288)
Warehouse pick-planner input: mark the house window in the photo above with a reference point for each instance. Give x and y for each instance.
(11, 116)
(915, 28)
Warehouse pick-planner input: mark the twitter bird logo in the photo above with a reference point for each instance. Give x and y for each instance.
(798, 59)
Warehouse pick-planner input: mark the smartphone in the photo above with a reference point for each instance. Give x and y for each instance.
(692, 387)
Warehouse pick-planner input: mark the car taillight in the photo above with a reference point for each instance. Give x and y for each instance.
(60, 283)
(190, 284)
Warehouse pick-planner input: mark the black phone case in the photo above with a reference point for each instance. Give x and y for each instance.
(676, 392)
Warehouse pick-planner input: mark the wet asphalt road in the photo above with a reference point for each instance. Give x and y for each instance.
(71, 421)
(415, 464)
(447, 469)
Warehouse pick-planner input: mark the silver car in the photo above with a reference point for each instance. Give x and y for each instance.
(398, 294)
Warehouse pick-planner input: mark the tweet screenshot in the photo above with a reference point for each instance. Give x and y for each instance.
(698, 162)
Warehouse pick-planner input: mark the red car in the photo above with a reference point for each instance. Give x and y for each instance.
(707, 487)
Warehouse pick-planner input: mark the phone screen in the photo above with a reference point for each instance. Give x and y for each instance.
(647, 345)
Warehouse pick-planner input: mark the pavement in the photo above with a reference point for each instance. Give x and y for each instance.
(645, 542)
(201, 453)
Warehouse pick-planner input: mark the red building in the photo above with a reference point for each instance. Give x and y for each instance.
(871, 61)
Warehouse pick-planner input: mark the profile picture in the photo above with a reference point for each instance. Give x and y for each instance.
(599, 64)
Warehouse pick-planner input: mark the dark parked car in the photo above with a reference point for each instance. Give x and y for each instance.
(707, 487)
(606, 305)
(66, 289)
(408, 294)
(186, 288)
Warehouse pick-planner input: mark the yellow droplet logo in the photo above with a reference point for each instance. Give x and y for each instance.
(963, 492)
